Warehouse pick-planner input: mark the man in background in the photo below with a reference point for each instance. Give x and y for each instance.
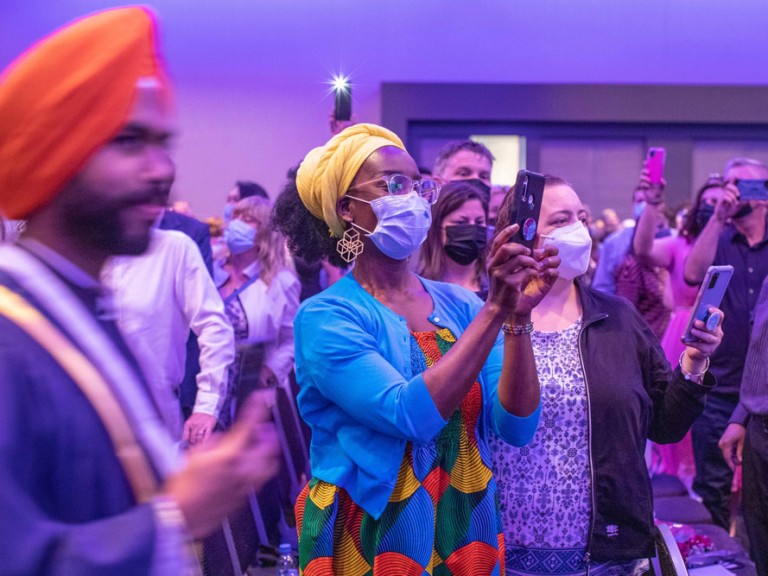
(89, 479)
(465, 160)
(746, 439)
(735, 235)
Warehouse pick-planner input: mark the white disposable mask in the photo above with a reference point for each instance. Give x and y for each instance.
(574, 248)
(403, 223)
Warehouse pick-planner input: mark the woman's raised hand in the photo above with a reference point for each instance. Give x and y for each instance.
(518, 279)
(540, 285)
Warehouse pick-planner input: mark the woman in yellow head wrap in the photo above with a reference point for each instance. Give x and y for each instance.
(401, 377)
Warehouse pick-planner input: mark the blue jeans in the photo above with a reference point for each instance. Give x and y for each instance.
(713, 475)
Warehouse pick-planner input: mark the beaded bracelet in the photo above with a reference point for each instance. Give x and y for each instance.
(695, 377)
(517, 329)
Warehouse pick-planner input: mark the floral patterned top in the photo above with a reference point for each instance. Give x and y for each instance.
(545, 487)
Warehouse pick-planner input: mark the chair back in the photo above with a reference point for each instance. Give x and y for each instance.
(668, 560)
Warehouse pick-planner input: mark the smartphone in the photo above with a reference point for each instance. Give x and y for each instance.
(710, 295)
(342, 109)
(654, 163)
(752, 189)
(528, 191)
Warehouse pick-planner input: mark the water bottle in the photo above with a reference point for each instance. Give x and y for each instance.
(285, 564)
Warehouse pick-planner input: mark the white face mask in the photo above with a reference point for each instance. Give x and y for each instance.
(574, 246)
(403, 223)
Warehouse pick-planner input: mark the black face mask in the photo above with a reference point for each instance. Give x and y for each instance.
(745, 210)
(465, 242)
(706, 211)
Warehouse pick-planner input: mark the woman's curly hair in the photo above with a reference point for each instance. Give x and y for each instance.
(308, 237)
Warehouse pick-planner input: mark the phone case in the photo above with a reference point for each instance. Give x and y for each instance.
(528, 190)
(655, 164)
(752, 189)
(710, 294)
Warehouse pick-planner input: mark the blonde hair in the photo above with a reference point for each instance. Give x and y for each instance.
(271, 252)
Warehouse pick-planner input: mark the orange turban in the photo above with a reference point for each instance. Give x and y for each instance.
(327, 171)
(67, 96)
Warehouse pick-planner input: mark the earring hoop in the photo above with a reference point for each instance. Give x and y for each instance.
(350, 246)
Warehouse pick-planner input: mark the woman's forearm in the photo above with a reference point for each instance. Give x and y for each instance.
(451, 378)
(519, 383)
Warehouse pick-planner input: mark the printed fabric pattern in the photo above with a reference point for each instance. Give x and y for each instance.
(442, 518)
(545, 487)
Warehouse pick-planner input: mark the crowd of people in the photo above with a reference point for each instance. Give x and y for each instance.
(473, 406)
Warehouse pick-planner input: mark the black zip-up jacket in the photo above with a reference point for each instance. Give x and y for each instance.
(632, 395)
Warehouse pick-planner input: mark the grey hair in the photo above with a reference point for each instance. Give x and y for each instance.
(744, 161)
(455, 146)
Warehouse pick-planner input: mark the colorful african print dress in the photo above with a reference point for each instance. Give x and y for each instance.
(442, 517)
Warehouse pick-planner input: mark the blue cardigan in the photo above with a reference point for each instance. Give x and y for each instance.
(359, 394)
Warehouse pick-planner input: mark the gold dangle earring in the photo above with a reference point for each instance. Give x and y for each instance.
(350, 246)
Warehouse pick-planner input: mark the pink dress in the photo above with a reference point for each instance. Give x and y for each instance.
(677, 459)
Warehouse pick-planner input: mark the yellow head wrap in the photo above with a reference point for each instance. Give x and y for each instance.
(67, 96)
(327, 171)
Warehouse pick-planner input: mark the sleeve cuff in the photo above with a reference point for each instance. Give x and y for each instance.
(424, 419)
(207, 403)
(740, 415)
(515, 430)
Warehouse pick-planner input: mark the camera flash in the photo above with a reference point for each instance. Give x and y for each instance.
(340, 83)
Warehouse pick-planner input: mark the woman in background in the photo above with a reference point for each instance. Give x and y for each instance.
(261, 296)
(455, 248)
(670, 253)
(578, 497)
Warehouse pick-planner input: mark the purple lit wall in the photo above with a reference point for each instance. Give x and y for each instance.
(251, 74)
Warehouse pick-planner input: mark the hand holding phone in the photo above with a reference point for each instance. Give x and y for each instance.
(528, 191)
(710, 295)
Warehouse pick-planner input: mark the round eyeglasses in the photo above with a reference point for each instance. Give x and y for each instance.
(400, 184)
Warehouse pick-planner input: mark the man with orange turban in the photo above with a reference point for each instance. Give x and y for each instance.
(89, 482)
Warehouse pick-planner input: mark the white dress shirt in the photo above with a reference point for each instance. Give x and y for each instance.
(161, 295)
(270, 311)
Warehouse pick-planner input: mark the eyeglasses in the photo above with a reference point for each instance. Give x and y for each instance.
(400, 184)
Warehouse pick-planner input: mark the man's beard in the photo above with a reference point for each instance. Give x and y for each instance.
(101, 224)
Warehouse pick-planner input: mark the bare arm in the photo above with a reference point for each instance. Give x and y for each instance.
(648, 249)
(511, 271)
(703, 251)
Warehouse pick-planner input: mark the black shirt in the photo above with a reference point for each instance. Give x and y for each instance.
(750, 268)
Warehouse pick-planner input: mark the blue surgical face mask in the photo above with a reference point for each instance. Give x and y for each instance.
(403, 223)
(239, 236)
(638, 209)
(228, 209)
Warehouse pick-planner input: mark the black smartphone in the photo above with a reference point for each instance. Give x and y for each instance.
(752, 189)
(528, 191)
(710, 295)
(342, 109)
